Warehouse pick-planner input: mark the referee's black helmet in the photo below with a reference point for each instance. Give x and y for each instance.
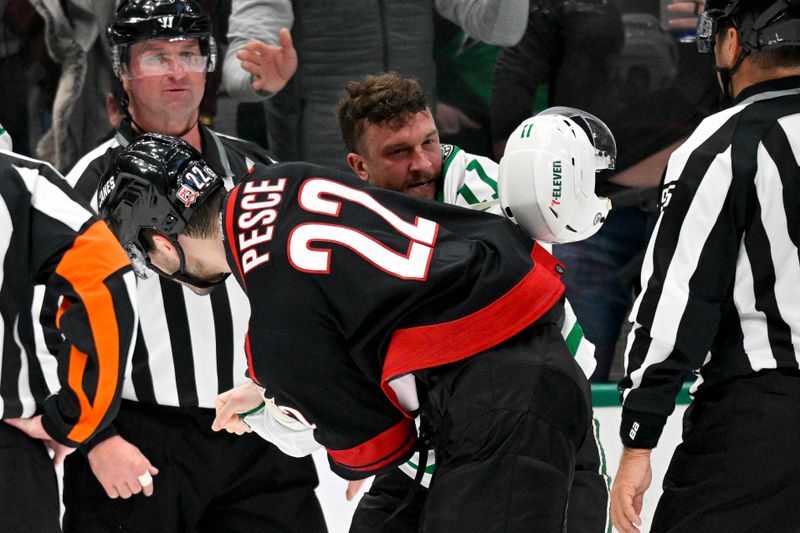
(142, 20)
(762, 24)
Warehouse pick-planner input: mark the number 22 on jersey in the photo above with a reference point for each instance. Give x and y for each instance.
(413, 265)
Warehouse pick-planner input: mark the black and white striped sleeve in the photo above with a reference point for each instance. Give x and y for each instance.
(720, 273)
(687, 277)
(53, 239)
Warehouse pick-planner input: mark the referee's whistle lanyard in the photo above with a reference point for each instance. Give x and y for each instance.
(223, 158)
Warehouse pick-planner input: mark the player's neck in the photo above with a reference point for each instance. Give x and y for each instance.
(188, 132)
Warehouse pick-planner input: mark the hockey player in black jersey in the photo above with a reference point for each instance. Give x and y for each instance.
(368, 307)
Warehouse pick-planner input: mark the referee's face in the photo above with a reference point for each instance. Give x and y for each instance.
(166, 102)
(402, 154)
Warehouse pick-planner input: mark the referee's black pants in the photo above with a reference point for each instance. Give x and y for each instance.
(738, 467)
(28, 486)
(207, 482)
(507, 424)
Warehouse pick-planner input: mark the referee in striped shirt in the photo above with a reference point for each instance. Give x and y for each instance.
(191, 346)
(53, 403)
(721, 293)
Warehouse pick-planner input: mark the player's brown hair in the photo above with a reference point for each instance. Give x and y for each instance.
(385, 97)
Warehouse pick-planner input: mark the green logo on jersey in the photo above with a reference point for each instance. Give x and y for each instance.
(526, 131)
(556, 183)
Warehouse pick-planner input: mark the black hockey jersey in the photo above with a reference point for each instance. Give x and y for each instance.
(353, 286)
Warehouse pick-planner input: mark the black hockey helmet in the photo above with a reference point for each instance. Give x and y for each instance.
(142, 20)
(762, 24)
(157, 182)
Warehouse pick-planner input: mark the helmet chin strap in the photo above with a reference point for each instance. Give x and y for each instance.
(726, 75)
(183, 276)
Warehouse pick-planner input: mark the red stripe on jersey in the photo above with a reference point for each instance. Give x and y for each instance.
(250, 370)
(229, 210)
(544, 258)
(439, 344)
(380, 451)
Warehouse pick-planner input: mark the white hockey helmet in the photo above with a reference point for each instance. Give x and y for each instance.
(547, 175)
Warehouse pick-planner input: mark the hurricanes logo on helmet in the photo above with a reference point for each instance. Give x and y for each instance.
(187, 195)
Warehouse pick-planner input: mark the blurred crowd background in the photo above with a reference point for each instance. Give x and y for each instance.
(486, 64)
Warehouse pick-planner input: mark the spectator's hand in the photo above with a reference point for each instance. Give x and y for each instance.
(241, 399)
(632, 480)
(685, 13)
(270, 66)
(33, 428)
(451, 120)
(353, 488)
(121, 468)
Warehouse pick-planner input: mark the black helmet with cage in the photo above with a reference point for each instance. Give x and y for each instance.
(141, 20)
(156, 185)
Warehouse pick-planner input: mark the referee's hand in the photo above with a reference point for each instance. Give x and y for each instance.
(632, 480)
(33, 428)
(121, 468)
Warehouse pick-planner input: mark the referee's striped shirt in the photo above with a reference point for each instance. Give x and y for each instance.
(190, 348)
(721, 275)
(48, 237)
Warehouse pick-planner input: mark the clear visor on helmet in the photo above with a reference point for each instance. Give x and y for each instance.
(159, 57)
(138, 261)
(603, 141)
(706, 28)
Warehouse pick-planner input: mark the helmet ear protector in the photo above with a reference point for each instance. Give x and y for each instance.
(547, 175)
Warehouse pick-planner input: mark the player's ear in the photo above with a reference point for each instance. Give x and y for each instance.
(358, 165)
(163, 243)
(728, 48)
